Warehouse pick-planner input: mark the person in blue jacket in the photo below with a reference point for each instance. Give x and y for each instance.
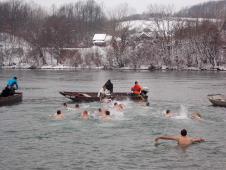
(12, 83)
(10, 88)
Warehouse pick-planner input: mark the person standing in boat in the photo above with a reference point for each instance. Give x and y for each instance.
(106, 90)
(12, 84)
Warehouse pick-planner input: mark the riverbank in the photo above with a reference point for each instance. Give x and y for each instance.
(147, 68)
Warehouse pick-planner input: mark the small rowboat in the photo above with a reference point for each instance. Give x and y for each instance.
(13, 99)
(92, 96)
(217, 99)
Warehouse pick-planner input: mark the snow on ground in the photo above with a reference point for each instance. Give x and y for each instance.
(155, 24)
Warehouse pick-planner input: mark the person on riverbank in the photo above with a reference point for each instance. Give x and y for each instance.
(58, 115)
(182, 140)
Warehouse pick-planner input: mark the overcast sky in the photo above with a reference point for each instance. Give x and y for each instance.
(136, 5)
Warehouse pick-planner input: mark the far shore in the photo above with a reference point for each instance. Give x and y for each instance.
(61, 67)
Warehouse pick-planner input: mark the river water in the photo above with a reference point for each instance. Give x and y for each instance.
(29, 139)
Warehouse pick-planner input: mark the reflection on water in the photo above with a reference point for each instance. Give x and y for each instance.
(30, 140)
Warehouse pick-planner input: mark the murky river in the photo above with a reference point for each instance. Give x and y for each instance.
(29, 139)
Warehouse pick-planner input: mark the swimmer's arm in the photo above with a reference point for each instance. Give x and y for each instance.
(198, 140)
(175, 138)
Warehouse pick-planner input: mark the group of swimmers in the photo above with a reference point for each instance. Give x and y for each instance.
(104, 114)
(194, 115)
(101, 113)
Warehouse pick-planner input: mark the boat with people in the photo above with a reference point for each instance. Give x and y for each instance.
(17, 97)
(93, 96)
(217, 99)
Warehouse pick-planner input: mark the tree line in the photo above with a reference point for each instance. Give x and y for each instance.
(66, 26)
(175, 42)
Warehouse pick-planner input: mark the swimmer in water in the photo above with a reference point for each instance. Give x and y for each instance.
(58, 116)
(118, 107)
(196, 116)
(65, 105)
(85, 115)
(168, 113)
(122, 106)
(107, 116)
(101, 112)
(182, 140)
(77, 106)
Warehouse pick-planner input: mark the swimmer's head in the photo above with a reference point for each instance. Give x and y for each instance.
(100, 110)
(147, 104)
(77, 106)
(85, 112)
(183, 132)
(65, 104)
(115, 104)
(107, 113)
(167, 111)
(58, 112)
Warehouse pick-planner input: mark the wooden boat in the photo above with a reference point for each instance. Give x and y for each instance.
(217, 99)
(13, 99)
(92, 96)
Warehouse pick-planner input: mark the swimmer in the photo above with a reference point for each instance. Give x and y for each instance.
(196, 116)
(168, 113)
(107, 116)
(77, 106)
(182, 140)
(65, 105)
(58, 116)
(122, 106)
(85, 115)
(101, 112)
(117, 107)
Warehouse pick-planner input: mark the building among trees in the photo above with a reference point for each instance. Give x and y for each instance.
(101, 39)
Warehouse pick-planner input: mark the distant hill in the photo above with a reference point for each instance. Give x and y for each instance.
(212, 9)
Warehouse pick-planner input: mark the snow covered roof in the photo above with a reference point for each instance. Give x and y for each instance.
(99, 37)
(145, 34)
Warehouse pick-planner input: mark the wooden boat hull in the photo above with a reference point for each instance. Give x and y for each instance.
(217, 100)
(10, 100)
(92, 96)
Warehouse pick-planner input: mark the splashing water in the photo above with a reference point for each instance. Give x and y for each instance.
(183, 113)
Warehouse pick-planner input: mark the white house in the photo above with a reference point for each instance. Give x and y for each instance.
(101, 39)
